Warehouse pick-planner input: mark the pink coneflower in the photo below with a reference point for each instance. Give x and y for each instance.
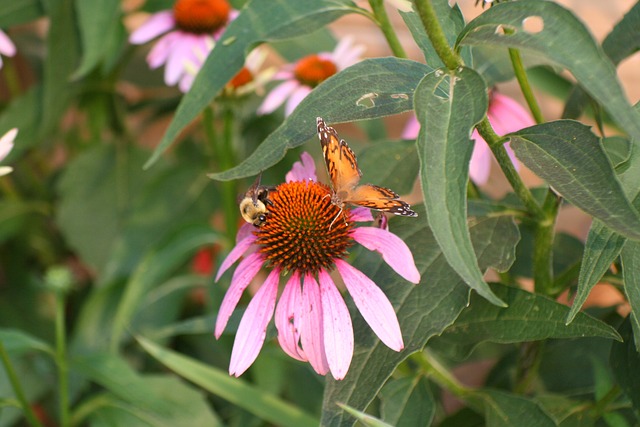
(7, 47)
(505, 115)
(300, 78)
(189, 31)
(6, 145)
(311, 317)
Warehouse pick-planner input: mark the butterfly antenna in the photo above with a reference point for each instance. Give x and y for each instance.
(336, 217)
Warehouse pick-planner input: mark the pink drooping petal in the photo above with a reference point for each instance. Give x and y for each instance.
(239, 249)
(253, 326)
(393, 249)
(157, 24)
(180, 55)
(338, 331)
(246, 271)
(361, 215)
(285, 73)
(506, 115)
(277, 96)
(512, 155)
(346, 54)
(162, 49)
(186, 81)
(411, 129)
(288, 318)
(480, 163)
(373, 304)
(304, 170)
(296, 98)
(311, 326)
(7, 47)
(6, 142)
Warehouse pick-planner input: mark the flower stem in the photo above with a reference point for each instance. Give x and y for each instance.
(500, 153)
(61, 359)
(229, 193)
(12, 78)
(527, 366)
(543, 246)
(523, 81)
(17, 388)
(380, 14)
(436, 35)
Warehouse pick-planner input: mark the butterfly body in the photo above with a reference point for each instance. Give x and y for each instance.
(344, 174)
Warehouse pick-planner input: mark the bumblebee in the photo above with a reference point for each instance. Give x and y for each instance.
(253, 205)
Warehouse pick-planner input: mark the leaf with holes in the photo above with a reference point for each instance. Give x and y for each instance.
(506, 24)
(448, 105)
(369, 89)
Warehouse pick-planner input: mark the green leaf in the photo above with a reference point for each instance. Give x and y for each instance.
(505, 409)
(448, 105)
(363, 418)
(259, 21)
(98, 187)
(630, 257)
(602, 248)
(17, 341)
(407, 402)
(441, 295)
(183, 405)
(114, 374)
(20, 11)
(618, 150)
(625, 363)
(236, 391)
(154, 269)
(624, 39)
(393, 165)
(529, 317)
(60, 61)
(99, 23)
(570, 158)
(603, 244)
(598, 78)
(369, 89)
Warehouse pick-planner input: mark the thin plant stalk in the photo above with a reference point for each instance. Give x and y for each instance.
(382, 19)
(436, 35)
(17, 388)
(61, 360)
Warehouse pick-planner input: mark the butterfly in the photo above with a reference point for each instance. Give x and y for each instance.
(345, 175)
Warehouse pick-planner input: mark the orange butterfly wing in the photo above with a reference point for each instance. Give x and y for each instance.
(341, 163)
(379, 198)
(344, 174)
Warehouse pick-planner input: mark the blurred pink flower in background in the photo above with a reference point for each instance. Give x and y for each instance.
(189, 32)
(311, 317)
(7, 48)
(6, 145)
(300, 78)
(505, 115)
(251, 78)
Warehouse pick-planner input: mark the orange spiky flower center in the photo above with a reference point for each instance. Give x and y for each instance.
(243, 77)
(304, 231)
(201, 16)
(313, 70)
